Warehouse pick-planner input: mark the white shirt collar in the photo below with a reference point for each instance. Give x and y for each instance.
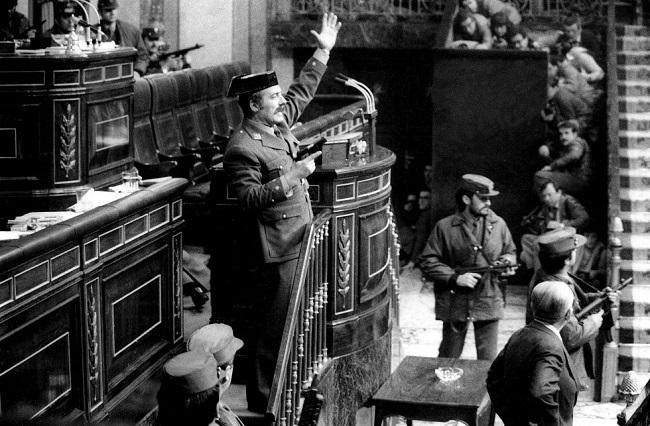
(552, 328)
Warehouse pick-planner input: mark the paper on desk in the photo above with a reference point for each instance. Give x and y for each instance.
(13, 235)
(93, 199)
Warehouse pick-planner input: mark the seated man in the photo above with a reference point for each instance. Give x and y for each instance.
(557, 207)
(501, 29)
(563, 105)
(218, 340)
(573, 32)
(569, 160)
(471, 31)
(519, 40)
(65, 23)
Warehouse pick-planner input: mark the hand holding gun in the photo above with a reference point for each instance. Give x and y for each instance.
(502, 267)
(608, 294)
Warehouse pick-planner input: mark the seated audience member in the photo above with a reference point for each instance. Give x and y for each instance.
(189, 390)
(218, 341)
(519, 40)
(556, 208)
(423, 227)
(488, 8)
(532, 380)
(591, 261)
(471, 31)
(562, 105)
(13, 24)
(573, 32)
(501, 29)
(557, 253)
(582, 60)
(569, 160)
(65, 23)
(570, 78)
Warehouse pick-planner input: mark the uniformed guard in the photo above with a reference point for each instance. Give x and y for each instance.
(270, 184)
(474, 236)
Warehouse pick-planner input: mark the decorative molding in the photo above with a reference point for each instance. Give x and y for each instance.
(92, 333)
(177, 273)
(343, 264)
(66, 141)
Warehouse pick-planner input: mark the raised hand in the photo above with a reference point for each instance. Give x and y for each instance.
(328, 32)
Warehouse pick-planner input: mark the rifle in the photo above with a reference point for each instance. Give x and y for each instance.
(483, 269)
(180, 52)
(601, 299)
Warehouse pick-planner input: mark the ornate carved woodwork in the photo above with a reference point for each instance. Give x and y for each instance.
(89, 307)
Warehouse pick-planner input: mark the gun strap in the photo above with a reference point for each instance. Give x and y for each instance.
(582, 283)
(477, 247)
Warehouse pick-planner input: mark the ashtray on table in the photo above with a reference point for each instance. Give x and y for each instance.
(448, 374)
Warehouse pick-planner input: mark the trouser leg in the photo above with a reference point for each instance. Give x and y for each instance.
(275, 290)
(486, 335)
(453, 339)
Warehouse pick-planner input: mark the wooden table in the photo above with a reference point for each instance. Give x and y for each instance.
(415, 392)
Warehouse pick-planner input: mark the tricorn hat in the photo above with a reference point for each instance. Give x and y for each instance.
(250, 83)
(560, 241)
(479, 185)
(62, 7)
(107, 4)
(215, 339)
(191, 372)
(153, 33)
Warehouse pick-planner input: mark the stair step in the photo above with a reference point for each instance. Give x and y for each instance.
(635, 301)
(634, 356)
(634, 329)
(639, 121)
(639, 270)
(633, 30)
(635, 222)
(630, 57)
(634, 139)
(235, 398)
(628, 43)
(633, 72)
(635, 178)
(634, 104)
(628, 205)
(634, 88)
(633, 158)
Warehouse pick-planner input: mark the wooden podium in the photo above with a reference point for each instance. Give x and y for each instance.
(65, 123)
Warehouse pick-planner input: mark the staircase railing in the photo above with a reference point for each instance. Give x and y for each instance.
(303, 350)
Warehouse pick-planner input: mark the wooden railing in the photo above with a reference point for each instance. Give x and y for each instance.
(303, 350)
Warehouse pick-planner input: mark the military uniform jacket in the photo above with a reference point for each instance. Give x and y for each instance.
(449, 247)
(532, 380)
(256, 163)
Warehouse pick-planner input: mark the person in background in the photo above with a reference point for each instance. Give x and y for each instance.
(532, 380)
(474, 236)
(218, 341)
(557, 209)
(189, 390)
(65, 21)
(519, 40)
(13, 25)
(422, 229)
(471, 31)
(122, 33)
(501, 30)
(488, 8)
(557, 255)
(569, 160)
(576, 35)
(154, 42)
(591, 261)
(582, 60)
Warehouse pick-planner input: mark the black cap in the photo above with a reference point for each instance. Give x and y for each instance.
(153, 33)
(244, 84)
(107, 4)
(64, 7)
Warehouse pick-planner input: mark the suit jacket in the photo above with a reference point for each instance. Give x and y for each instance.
(256, 163)
(531, 381)
(576, 334)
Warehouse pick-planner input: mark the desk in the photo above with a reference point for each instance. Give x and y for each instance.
(414, 391)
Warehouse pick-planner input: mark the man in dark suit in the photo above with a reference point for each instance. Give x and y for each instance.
(573, 32)
(123, 33)
(270, 182)
(531, 381)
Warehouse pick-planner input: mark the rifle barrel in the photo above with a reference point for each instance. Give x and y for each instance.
(596, 303)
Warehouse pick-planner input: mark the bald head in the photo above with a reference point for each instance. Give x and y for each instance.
(550, 301)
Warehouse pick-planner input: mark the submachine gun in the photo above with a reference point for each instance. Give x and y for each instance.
(180, 52)
(602, 298)
(498, 268)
